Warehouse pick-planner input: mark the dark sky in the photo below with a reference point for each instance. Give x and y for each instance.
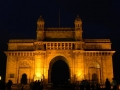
(101, 19)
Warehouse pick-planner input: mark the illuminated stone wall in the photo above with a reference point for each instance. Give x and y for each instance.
(17, 65)
(86, 58)
(99, 62)
(11, 68)
(82, 64)
(59, 33)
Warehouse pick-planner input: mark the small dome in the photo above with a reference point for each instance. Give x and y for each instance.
(78, 18)
(41, 19)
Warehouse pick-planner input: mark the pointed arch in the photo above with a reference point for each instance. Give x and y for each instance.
(94, 71)
(58, 58)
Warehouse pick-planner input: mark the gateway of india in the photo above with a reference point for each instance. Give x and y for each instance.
(34, 59)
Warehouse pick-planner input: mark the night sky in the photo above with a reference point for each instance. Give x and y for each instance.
(101, 19)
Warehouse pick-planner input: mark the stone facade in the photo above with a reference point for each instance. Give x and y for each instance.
(86, 58)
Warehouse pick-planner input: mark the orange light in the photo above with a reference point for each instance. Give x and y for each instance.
(80, 75)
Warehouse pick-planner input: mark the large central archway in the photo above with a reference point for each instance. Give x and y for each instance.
(59, 71)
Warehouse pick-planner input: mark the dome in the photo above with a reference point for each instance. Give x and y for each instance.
(41, 19)
(78, 18)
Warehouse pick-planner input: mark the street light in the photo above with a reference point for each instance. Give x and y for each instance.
(0, 78)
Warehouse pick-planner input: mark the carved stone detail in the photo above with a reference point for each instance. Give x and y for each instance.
(24, 64)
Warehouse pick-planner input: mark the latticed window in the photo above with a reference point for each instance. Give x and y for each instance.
(65, 44)
(48, 44)
(55, 44)
(51, 44)
(69, 44)
(11, 75)
(58, 44)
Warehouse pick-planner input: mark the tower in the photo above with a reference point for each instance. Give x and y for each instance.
(78, 29)
(39, 49)
(78, 33)
(40, 29)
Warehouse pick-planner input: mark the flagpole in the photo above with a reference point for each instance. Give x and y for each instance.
(59, 18)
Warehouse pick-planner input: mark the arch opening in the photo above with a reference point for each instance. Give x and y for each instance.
(59, 73)
(95, 77)
(24, 79)
(94, 71)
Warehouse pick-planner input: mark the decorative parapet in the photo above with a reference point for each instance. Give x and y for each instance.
(24, 53)
(97, 40)
(59, 29)
(20, 46)
(95, 53)
(21, 40)
(98, 53)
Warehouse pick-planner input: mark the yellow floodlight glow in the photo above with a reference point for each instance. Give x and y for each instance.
(38, 74)
(79, 75)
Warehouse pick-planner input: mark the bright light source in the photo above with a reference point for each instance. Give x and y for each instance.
(0, 77)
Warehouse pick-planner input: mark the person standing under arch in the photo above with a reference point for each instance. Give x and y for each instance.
(107, 84)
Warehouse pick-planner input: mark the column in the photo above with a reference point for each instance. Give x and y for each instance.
(39, 66)
(79, 65)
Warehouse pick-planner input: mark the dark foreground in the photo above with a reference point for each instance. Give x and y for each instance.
(27, 87)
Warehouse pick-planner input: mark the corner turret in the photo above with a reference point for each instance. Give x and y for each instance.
(78, 29)
(40, 29)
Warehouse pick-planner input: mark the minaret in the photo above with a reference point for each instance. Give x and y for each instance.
(40, 29)
(78, 29)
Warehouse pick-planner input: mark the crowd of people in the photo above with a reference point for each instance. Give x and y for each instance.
(92, 85)
(36, 85)
(87, 85)
(83, 85)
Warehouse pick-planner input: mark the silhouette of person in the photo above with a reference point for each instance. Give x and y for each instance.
(82, 85)
(9, 84)
(41, 85)
(87, 85)
(107, 84)
(38, 85)
(93, 85)
(22, 87)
